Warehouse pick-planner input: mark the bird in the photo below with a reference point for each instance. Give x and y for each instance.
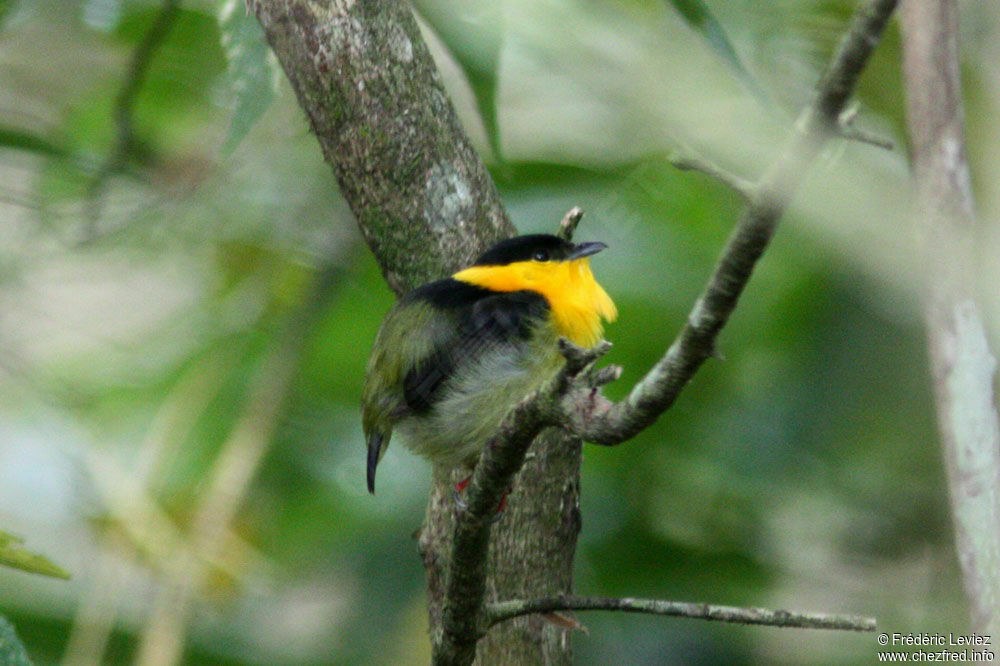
(453, 356)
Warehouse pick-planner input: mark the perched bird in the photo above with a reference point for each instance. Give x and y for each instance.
(454, 356)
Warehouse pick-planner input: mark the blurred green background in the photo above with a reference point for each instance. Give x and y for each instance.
(183, 332)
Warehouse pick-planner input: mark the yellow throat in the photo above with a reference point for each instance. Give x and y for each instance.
(578, 303)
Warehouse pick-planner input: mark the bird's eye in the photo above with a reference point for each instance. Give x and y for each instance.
(540, 255)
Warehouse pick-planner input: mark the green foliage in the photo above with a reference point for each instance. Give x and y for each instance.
(702, 20)
(12, 554)
(473, 35)
(252, 74)
(5, 8)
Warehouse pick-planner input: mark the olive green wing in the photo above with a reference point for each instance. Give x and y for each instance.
(423, 342)
(408, 335)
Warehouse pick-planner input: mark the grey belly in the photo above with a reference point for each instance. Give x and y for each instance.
(455, 430)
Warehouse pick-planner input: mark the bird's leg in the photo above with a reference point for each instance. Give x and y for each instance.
(460, 487)
(502, 505)
(456, 493)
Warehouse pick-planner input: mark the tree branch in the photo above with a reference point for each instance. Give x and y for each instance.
(603, 422)
(465, 587)
(505, 610)
(962, 364)
(656, 392)
(685, 160)
(124, 107)
(567, 227)
(850, 131)
(426, 207)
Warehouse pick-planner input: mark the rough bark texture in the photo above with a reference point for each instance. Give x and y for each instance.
(427, 206)
(363, 75)
(530, 553)
(962, 364)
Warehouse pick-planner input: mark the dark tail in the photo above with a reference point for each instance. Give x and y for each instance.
(374, 449)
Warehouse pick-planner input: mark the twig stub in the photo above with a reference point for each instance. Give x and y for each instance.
(567, 227)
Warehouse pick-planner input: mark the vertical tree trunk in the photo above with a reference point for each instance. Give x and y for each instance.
(531, 552)
(426, 206)
(961, 362)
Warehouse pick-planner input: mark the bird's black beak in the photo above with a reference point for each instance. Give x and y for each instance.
(582, 250)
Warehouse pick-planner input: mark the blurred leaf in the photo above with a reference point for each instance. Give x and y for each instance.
(182, 73)
(13, 555)
(252, 72)
(697, 14)
(12, 653)
(19, 139)
(485, 90)
(5, 7)
(102, 15)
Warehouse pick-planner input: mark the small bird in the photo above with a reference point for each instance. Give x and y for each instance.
(454, 356)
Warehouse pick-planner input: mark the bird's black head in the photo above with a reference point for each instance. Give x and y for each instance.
(535, 247)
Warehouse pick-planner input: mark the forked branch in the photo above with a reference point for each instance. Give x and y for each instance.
(767, 200)
(603, 422)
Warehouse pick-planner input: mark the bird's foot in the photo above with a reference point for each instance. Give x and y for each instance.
(460, 487)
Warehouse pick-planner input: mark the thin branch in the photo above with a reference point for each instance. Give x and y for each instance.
(656, 392)
(464, 618)
(851, 132)
(685, 160)
(503, 457)
(505, 610)
(135, 78)
(567, 227)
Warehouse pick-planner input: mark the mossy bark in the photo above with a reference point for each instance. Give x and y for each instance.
(426, 206)
(366, 80)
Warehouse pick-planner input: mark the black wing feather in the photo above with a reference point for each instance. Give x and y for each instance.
(480, 319)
